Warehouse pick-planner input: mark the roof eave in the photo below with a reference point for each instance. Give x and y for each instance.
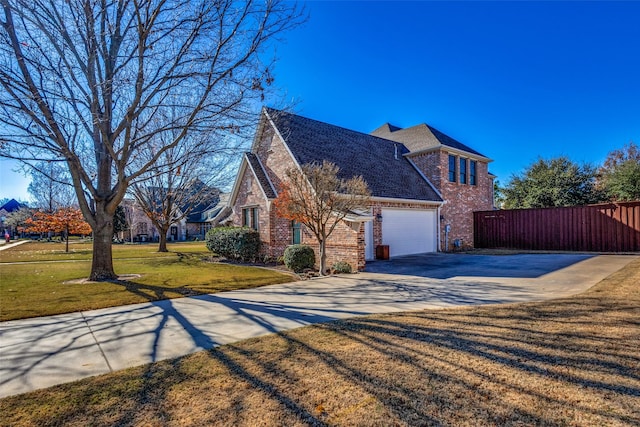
(413, 201)
(449, 149)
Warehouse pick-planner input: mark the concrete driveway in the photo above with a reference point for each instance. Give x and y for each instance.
(41, 352)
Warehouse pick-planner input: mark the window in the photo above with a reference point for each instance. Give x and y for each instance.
(463, 171)
(246, 217)
(452, 168)
(250, 218)
(296, 235)
(472, 172)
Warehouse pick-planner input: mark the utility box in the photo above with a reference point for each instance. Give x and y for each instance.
(382, 252)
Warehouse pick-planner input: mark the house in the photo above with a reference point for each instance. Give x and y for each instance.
(424, 184)
(6, 209)
(194, 226)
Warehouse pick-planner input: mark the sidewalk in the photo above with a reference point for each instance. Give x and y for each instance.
(41, 352)
(4, 245)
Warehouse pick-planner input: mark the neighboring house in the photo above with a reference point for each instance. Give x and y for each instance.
(9, 207)
(204, 217)
(415, 191)
(194, 226)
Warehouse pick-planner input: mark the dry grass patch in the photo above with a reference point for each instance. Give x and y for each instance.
(572, 361)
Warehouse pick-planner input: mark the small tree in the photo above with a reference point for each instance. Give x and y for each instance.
(65, 221)
(316, 197)
(119, 220)
(171, 194)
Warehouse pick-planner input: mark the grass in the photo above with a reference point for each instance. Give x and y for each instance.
(44, 285)
(571, 361)
(38, 251)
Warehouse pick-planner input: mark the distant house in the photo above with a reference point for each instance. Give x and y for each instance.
(194, 226)
(425, 186)
(9, 207)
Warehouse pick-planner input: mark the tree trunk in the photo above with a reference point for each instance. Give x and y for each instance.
(323, 257)
(67, 235)
(162, 247)
(102, 262)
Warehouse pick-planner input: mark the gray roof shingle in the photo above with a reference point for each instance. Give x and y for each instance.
(421, 137)
(355, 153)
(261, 175)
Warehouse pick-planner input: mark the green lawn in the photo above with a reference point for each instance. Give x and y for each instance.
(46, 284)
(54, 251)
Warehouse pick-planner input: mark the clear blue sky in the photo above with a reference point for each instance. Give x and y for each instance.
(513, 80)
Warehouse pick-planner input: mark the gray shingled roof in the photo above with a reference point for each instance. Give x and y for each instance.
(355, 153)
(450, 142)
(261, 175)
(421, 137)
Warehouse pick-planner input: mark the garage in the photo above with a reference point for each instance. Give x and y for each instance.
(409, 231)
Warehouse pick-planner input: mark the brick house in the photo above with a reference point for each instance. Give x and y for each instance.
(420, 179)
(195, 225)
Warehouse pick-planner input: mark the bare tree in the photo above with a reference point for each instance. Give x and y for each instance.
(51, 187)
(96, 83)
(167, 197)
(316, 197)
(131, 216)
(185, 180)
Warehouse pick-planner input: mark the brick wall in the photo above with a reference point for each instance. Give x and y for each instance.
(461, 199)
(250, 195)
(344, 244)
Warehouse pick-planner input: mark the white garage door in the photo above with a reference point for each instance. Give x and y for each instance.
(409, 231)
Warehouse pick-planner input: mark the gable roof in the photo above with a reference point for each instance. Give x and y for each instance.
(380, 161)
(261, 175)
(422, 137)
(11, 205)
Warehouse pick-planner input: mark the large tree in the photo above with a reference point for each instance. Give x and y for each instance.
(318, 198)
(619, 176)
(97, 83)
(549, 183)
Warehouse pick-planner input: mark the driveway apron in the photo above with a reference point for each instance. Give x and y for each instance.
(41, 352)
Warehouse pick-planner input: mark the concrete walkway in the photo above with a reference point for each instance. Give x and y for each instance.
(4, 245)
(40, 352)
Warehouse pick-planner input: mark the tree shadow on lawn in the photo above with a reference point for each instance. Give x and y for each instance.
(453, 367)
(563, 361)
(432, 368)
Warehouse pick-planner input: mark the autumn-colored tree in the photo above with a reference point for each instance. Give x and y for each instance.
(64, 220)
(316, 197)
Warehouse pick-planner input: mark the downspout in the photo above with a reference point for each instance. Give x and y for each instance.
(438, 228)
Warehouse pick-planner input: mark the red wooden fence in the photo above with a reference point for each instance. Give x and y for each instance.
(612, 227)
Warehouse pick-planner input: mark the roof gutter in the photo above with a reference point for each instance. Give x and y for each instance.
(451, 150)
(412, 201)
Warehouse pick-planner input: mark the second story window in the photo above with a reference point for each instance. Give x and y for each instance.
(463, 170)
(452, 168)
(472, 172)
